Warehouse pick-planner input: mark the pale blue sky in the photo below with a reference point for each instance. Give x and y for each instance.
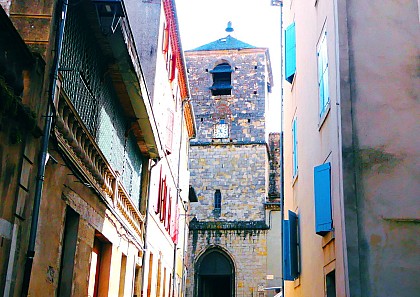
(255, 22)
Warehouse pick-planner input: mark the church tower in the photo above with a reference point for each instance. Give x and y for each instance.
(228, 250)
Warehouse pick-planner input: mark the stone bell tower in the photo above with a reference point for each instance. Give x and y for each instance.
(230, 82)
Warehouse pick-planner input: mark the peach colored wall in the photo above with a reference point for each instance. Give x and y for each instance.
(317, 144)
(368, 136)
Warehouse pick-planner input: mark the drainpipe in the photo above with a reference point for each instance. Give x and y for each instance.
(42, 158)
(281, 145)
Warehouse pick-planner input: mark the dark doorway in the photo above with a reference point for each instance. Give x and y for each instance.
(215, 275)
(219, 286)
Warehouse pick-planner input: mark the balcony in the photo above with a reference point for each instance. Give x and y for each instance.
(80, 148)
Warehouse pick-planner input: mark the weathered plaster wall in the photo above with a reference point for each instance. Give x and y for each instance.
(385, 91)
(146, 32)
(62, 189)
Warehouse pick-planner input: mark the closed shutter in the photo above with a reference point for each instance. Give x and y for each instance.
(290, 247)
(294, 150)
(290, 52)
(322, 190)
(156, 206)
(286, 251)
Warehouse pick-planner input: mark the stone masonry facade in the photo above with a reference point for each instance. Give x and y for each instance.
(244, 110)
(247, 249)
(239, 172)
(235, 167)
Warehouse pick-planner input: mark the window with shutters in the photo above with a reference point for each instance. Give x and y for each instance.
(322, 191)
(290, 53)
(169, 55)
(165, 38)
(322, 57)
(222, 80)
(294, 148)
(164, 208)
(290, 247)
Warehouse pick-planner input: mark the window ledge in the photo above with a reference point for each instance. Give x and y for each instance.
(294, 179)
(324, 116)
(293, 81)
(330, 236)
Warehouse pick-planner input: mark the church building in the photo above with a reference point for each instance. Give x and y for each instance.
(234, 237)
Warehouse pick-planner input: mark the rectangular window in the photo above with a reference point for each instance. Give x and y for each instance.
(123, 271)
(164, 282)
(322, 56)
(68, 253)
(294, 147)
(290, 247)
(174, 231)
(290, 52)
(150, 276)
(330, 284)
(138, 281)
(165, 38)
(100, 266)
(322, 191)
(217, 199)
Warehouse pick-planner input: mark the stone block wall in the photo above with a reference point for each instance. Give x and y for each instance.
(247, 249)
(275, 159)
(244, 109)
(239, 172)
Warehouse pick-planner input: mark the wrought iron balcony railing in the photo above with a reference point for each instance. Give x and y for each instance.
(79, 146)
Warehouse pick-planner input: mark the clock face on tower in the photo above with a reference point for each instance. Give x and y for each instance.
(221, 131)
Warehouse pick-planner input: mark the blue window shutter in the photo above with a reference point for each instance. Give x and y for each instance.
(322, 56)
(294, 149)
(322, 189)
(290, 52)
(286, 251)
(290, 247)
(293, 235)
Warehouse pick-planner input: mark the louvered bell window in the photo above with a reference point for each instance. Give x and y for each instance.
(222, 80)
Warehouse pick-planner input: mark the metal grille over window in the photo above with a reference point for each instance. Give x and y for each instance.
(89, 87)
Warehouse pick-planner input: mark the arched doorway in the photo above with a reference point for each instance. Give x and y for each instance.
(215, 275)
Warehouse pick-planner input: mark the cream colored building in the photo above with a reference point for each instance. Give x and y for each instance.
(351, 174)
(160, 51)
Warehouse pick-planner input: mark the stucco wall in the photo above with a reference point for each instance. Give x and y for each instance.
(385, 91)
(367, 137)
